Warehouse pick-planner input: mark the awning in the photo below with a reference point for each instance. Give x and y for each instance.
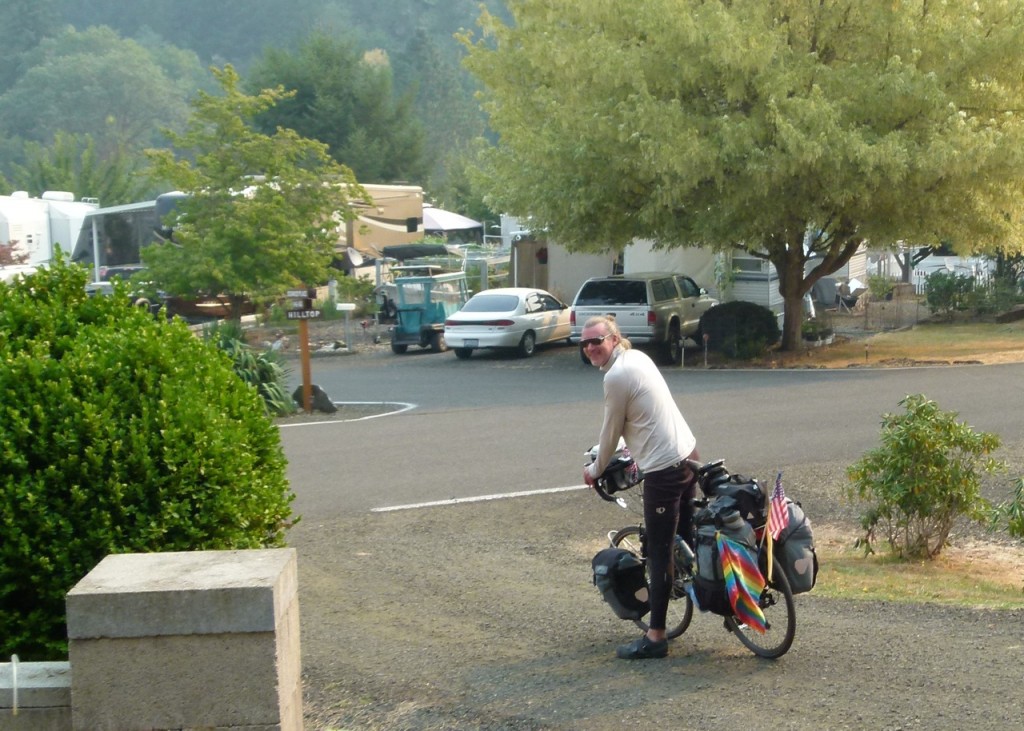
(437, 220)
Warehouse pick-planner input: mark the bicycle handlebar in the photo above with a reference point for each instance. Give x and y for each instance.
(599, 488)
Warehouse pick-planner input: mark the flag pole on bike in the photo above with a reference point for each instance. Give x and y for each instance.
(778, 519)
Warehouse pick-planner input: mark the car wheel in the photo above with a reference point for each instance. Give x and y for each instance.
(398, 349)
(463, 353)
(528, 344)
(672, 350)
(437, 343)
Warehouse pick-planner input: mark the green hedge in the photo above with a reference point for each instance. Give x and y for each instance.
(740, 329)
(119, 432)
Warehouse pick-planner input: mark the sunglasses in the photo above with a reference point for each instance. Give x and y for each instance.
(593, 341)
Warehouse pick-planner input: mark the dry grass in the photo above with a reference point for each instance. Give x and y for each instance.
(939, 342)
(969, 573)
(924, 343)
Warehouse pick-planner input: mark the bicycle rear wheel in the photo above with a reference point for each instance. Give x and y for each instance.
(680, 609)
(780, 619)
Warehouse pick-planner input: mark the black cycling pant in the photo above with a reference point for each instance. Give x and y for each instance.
(668, 509)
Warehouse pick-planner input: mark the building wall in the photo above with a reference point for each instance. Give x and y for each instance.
(697, 263)
(566, 272)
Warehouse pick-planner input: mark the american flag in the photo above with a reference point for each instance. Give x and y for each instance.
(778, 513)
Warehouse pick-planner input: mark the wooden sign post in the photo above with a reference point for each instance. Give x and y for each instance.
(301, 308)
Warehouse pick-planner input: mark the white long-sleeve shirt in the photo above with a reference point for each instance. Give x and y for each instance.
(639, 407)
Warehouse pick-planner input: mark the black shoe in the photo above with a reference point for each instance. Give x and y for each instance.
(642, 649)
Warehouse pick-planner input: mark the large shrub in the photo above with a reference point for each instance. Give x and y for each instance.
(119, 433)
(947, 293)
(740, 329)
(926, 474)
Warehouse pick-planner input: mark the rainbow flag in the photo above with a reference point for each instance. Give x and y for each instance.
(743, 581)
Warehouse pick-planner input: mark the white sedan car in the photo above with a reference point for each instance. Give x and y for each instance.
(513, 317)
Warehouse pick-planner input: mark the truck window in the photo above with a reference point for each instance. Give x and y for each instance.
(688, 287)
(604, 292)
(663, 289)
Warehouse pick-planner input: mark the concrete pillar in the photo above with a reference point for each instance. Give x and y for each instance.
(205, 639)
(35, 696)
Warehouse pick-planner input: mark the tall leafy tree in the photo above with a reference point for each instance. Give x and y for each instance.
(344, 98)
(226, 30)
(263, 211)
(442, 93)
(95, 82)
(72, 163)
(786, 127)
(26, 23)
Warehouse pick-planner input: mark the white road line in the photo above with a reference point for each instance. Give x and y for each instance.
(403, 407)
(477, 499)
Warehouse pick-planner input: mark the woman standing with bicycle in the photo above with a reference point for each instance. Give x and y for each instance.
(639, 408)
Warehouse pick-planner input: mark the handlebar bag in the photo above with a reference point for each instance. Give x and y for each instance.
(620, 577)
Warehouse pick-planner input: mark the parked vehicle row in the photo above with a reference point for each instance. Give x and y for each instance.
(656, 309)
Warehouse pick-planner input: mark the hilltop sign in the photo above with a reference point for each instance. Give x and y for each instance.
(303, 314)
(300, 304)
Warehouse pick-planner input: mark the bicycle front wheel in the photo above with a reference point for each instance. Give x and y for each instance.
(680, 610)
(780, 620)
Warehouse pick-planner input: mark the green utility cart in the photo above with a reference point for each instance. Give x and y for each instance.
(422, 304)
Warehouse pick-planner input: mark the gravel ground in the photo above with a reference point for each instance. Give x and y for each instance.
(483, 617)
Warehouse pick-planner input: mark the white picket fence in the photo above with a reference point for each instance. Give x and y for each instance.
(978, 268)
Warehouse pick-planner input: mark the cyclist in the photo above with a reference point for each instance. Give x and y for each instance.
(639, 407)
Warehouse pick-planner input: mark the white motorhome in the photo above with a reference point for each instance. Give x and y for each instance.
(41, 226)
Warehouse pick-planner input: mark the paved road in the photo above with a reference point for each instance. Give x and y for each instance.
(483, 616)
(494, 424)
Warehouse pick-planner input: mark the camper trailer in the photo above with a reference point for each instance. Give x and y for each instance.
(394, 216)
(41, 226)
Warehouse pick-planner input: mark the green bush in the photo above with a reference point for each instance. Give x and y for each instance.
(925, 475)
(879, 287)
(817, 328)
(358, 290)
(119, 432)
(947, 293)
(998, 296)
(1011, 512)
(739, 329)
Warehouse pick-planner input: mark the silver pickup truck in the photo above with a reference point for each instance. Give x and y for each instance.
(655, 309)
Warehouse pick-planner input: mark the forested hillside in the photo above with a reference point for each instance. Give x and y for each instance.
(86, 85)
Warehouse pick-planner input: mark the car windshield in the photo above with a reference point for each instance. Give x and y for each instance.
(492, 303)
(612, 292)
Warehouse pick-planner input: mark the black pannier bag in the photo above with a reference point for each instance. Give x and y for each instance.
(795, 550)
(709, 582)
(620, 577)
